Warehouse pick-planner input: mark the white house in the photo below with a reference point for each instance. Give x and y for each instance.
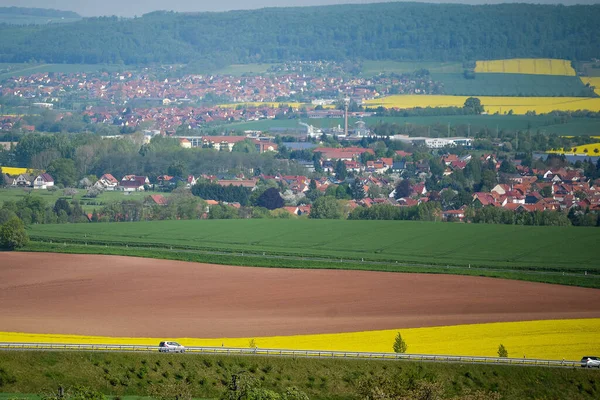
(43, 181)
(23, 180)
(106, 182)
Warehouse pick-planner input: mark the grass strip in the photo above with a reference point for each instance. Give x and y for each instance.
(591, 281)
(133, 374)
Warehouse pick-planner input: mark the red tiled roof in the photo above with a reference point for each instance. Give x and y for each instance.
(159, 199)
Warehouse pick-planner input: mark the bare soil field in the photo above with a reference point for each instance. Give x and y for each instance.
(137, 297)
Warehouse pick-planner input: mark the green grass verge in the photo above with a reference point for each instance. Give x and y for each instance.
(511, 85)
(132, 374)
(16, 194)
(591, 281)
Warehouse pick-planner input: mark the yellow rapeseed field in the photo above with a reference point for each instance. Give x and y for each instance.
(586, 149)
(536, 66)
(595, 82)
(492, 104)
(551, 339)
(15, 170)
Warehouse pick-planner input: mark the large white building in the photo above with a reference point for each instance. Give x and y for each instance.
(434, 143)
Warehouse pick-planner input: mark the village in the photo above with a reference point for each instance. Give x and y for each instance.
(131, 100)
(356, 177)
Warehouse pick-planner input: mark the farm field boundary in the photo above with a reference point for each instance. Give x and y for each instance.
(492, 104)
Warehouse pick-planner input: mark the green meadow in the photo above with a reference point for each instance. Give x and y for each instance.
(88, 204)
(566, 249)
(512, 85)
(542, 123)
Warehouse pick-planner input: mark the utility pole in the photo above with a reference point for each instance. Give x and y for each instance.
(448, 129)
(468, 130)
(346, 105)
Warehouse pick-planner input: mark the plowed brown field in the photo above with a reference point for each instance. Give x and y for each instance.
(136, 297)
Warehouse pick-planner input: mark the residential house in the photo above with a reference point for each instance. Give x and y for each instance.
(133, 183)
(501, 188)
(185, 143)
(9, 180)
(398, 166)
(24, 180)
(298, 210)
(420, 189)
(106, 182)
(43, 181)
(158, 199)
(403, 154)
(482, 199)
(454, 215)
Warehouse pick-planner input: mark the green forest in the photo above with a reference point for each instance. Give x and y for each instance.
(386, 31)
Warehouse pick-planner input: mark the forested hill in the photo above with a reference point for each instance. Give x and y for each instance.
(38, 12)
(386, 31)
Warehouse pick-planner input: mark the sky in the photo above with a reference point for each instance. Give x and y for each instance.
(128, 8)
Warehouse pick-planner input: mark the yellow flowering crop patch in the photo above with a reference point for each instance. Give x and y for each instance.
(586, 149)
(15, 170)
(595, 82)
(535, 66)
(551, 339)
(492, 104)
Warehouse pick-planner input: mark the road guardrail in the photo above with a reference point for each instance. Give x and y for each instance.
(248, 351)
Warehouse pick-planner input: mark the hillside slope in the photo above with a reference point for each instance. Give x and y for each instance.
(386, 31)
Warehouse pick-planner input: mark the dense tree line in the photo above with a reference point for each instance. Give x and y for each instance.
(69, 158)
(38, 12)
(214, 191)
(387, 31)
(35, 210)
(430, 211)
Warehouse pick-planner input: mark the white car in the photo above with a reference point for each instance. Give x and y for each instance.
(590, 362)
(170, 347)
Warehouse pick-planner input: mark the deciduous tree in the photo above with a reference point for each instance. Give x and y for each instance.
(325, 207)
(13, 235)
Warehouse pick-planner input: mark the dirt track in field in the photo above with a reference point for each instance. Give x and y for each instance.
(135, 297)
